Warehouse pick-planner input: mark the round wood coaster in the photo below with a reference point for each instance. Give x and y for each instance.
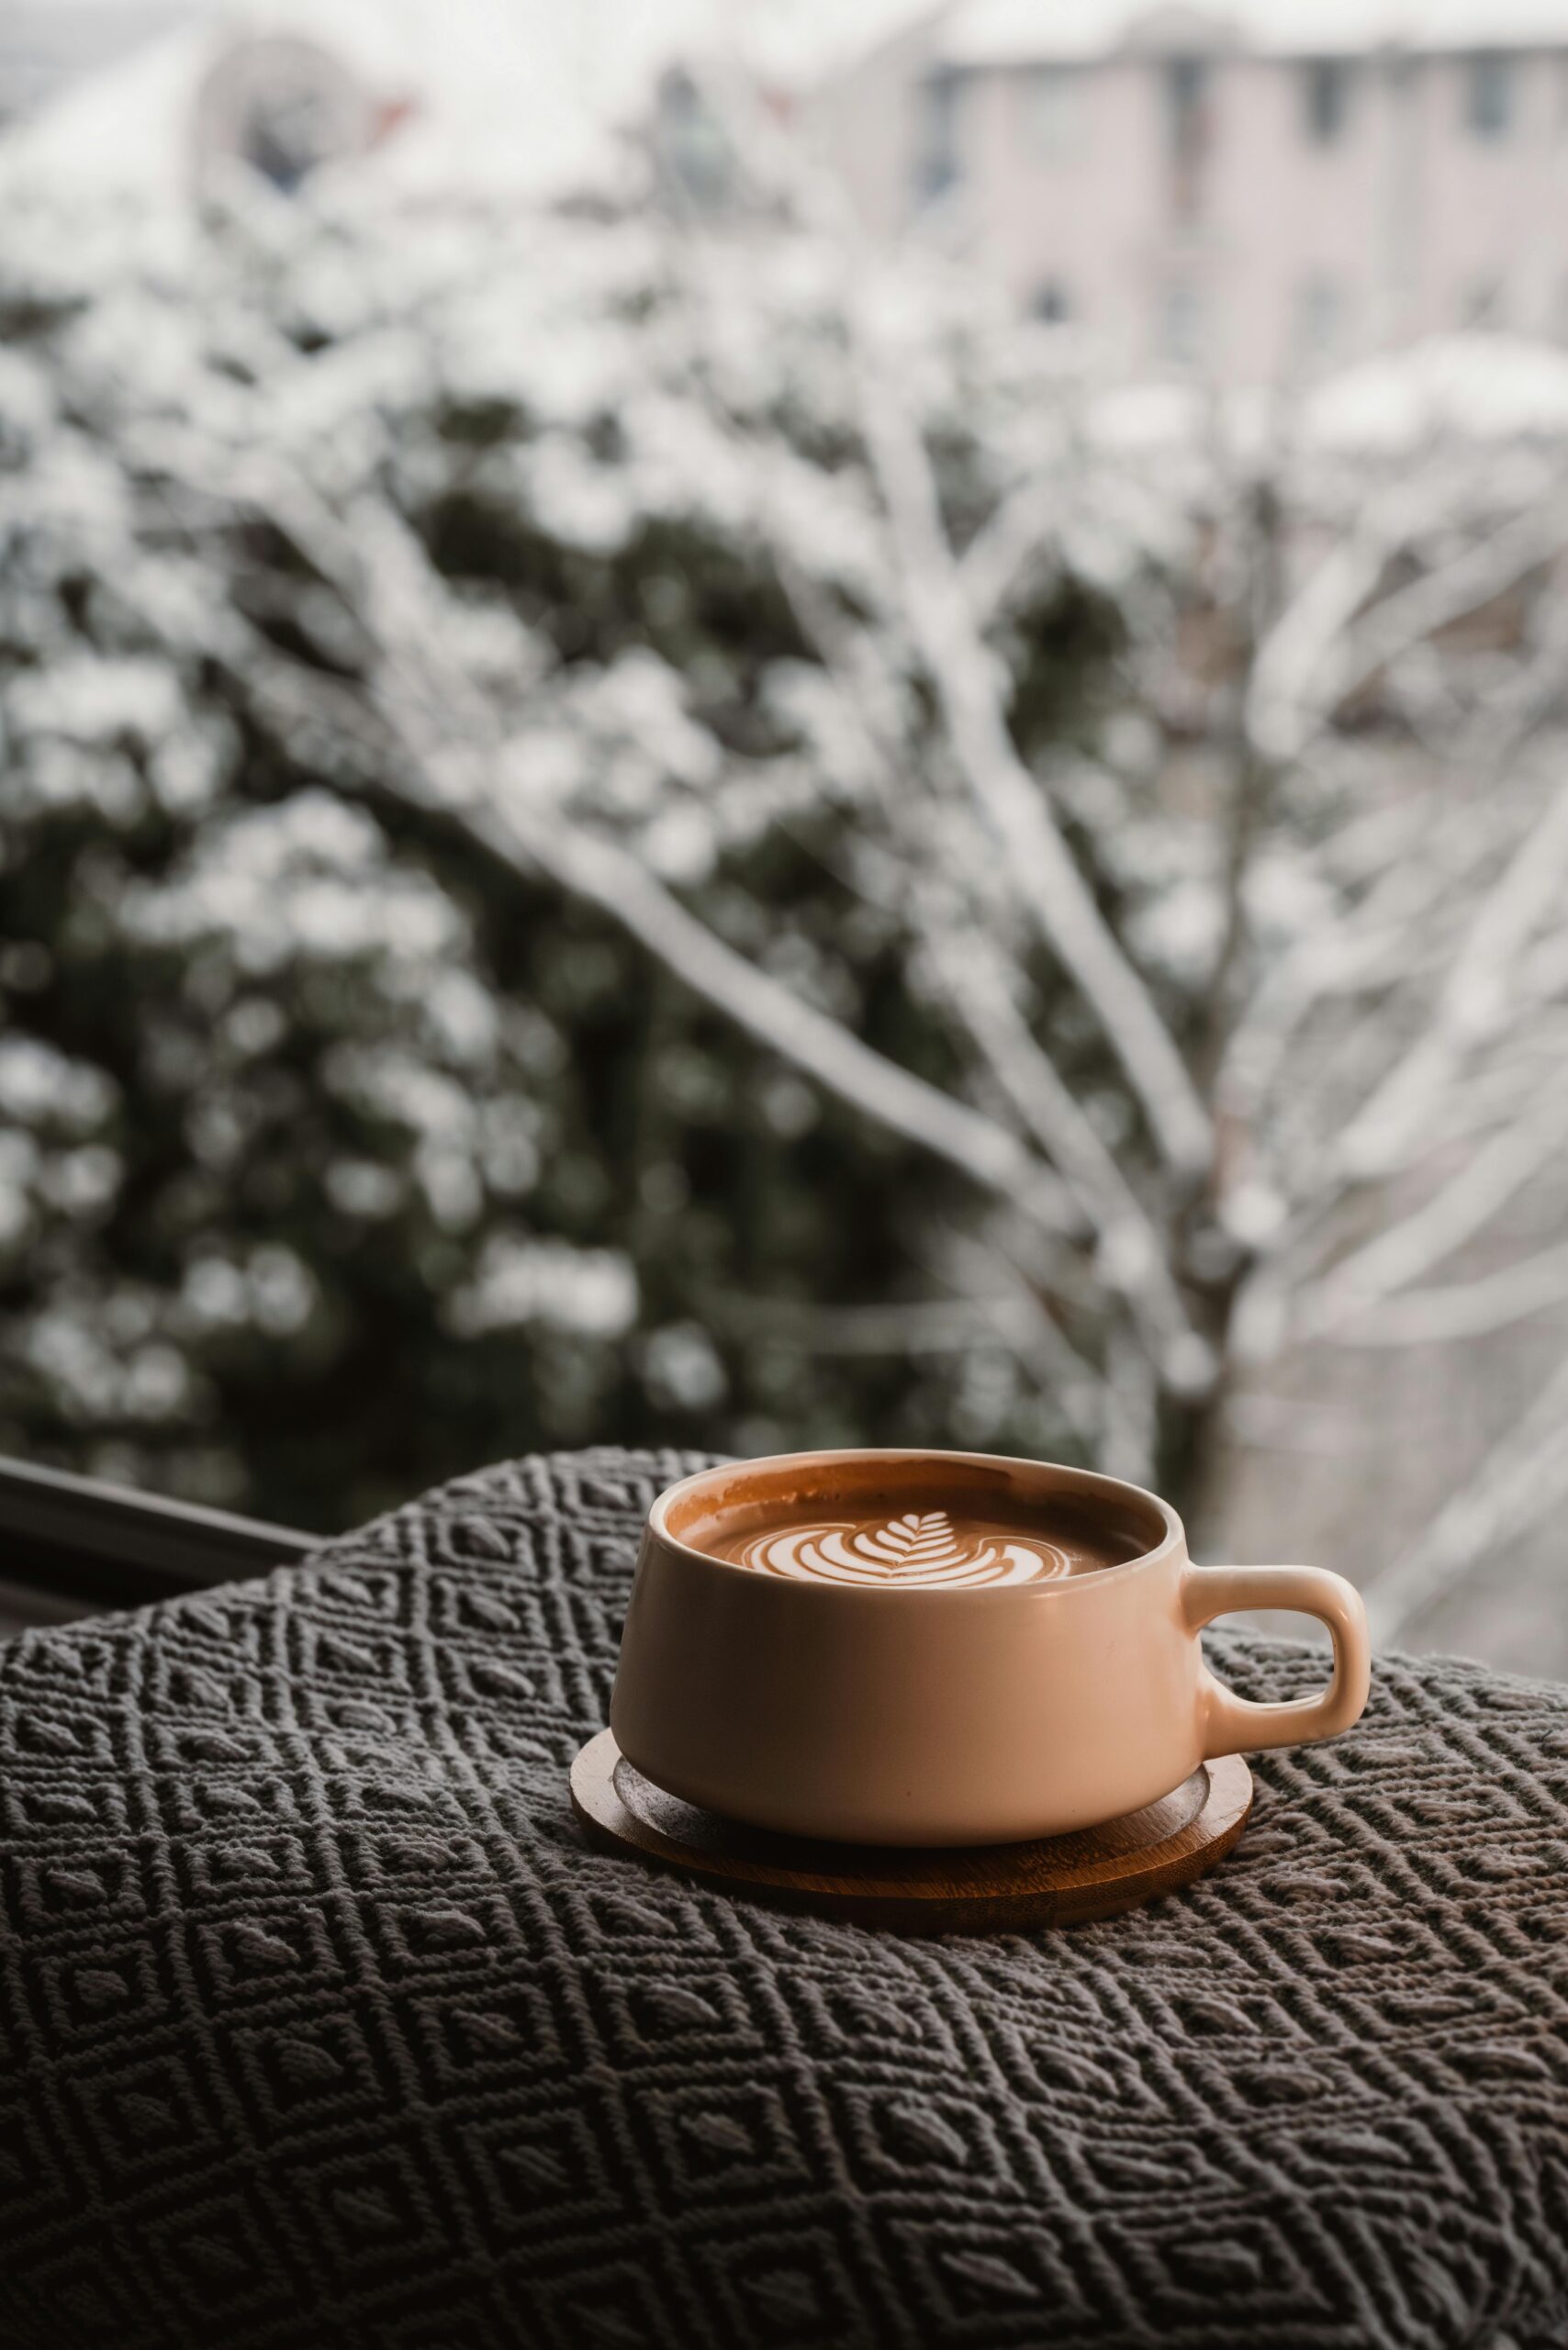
(975, 1888)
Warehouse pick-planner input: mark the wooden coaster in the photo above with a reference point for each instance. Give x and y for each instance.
(975, 1888)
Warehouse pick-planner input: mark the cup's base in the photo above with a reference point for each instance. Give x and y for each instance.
(980, 1888)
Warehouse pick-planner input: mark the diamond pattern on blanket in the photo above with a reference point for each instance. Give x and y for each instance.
(319, 2030)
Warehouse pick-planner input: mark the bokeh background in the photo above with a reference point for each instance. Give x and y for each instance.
(773, 725)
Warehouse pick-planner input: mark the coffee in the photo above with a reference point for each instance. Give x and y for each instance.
(914, 1549)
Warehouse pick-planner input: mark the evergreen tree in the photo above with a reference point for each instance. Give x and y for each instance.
(335, 1155)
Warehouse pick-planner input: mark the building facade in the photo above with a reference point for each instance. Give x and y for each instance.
(1255, 200)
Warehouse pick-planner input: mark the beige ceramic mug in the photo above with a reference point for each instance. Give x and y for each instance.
(903, 1711)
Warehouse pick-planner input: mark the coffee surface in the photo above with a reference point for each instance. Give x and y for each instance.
(916, 1547)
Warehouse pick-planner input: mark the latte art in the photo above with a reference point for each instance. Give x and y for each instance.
(922, 1547)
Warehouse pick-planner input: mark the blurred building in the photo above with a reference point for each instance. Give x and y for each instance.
(1258, 190)
(157, 98)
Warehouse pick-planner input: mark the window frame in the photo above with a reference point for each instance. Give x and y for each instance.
(1490, 95)
(82, 1546)
(1068, 139)
(1327, 124)
(938, 135)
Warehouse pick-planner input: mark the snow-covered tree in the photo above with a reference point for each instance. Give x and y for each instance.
(340, 1152)
(626, 824)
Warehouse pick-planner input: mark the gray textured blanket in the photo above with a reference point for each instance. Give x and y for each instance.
(319, 2027)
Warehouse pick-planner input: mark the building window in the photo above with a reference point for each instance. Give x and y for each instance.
(1326, 96)
(1319, 320)
(692, 142)
(1052, 302)
(1187, 123)
(1053, 105)
(938, 161)
(1489, 95)
(1181, 323)
(1483, 304)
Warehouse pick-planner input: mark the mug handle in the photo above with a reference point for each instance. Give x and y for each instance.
(1232, 1725)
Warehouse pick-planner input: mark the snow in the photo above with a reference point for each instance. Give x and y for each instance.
(39, 1086)
(273, 1289)
(1140, 418)
(681, 1363)
(98, 702)
(308, 880)
(93, 1386)
(590, 1290)
(1479, 388)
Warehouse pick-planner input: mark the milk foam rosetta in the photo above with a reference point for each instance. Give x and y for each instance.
(922, 1547)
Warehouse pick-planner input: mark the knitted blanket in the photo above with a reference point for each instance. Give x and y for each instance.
(320, 2031)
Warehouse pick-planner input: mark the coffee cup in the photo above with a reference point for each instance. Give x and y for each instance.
(941, 1648)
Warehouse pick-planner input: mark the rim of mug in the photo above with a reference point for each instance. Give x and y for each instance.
(1086, 1481)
